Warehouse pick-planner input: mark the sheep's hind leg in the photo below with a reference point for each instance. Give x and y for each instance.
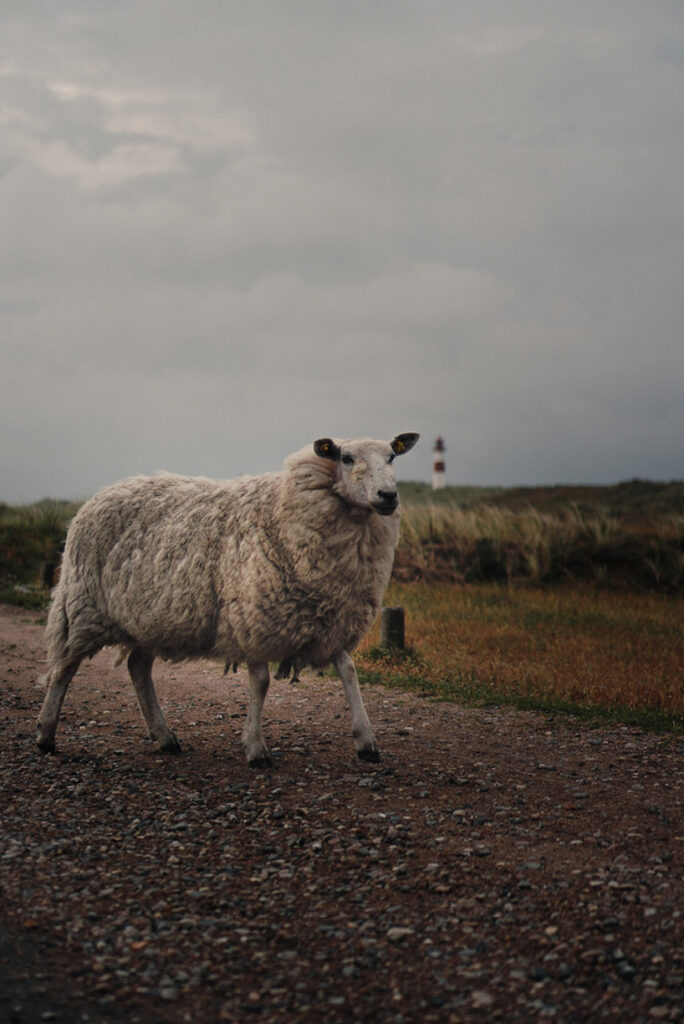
(58, 680)
(140, 671)
(366, 746)
(258, 755)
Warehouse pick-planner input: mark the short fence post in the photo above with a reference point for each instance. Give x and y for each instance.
(392, 628)
(47, 574)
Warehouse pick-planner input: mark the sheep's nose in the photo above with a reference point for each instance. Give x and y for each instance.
(387, 502)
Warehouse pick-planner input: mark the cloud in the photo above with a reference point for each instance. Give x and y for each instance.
(228, 228)
(107, 137)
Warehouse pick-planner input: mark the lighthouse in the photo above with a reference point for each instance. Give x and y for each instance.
(438, 466)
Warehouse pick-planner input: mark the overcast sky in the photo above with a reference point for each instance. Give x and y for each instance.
(231, 228)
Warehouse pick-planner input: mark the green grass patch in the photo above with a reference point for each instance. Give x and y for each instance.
(33, 598)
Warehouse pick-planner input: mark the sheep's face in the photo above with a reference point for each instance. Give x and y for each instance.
(365, 476)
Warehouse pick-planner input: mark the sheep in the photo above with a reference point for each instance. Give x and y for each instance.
(287, 567)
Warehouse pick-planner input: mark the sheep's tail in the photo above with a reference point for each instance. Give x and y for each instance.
(57, 637)
(57, 630)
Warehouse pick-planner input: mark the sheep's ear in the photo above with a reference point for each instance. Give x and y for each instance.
(403, 443)
(326, 448)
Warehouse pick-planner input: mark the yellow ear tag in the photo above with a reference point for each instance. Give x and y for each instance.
(399, 446)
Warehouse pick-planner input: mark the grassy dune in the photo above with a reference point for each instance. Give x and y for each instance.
(633, 546)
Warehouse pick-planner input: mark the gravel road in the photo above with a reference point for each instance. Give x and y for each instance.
(496, 865)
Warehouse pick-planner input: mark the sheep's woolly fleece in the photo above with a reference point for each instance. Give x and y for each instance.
(260, 568)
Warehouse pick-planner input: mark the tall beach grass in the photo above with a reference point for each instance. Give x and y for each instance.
(488, 543)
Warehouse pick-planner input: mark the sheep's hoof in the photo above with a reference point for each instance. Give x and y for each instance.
(261, 761)
(46, 746)
(172, 745)
(369, 754)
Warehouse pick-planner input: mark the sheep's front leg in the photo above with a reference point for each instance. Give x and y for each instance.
(366, 747)
(258, 755)
(140, 671)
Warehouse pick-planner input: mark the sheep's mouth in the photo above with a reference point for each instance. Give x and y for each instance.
(385, 508)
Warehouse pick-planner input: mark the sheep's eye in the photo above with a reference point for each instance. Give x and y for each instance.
(348, 460)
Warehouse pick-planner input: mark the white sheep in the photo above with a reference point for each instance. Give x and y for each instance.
(288, 566)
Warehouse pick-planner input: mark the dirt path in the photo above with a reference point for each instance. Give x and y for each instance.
(494, 866)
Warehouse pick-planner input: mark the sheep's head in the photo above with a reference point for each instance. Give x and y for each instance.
(365, 477)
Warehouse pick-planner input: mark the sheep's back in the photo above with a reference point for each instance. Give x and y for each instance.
(148, 554)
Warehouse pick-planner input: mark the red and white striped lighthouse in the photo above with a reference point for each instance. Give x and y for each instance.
(439, 466)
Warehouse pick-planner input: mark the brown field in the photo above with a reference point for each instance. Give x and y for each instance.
(573, 646)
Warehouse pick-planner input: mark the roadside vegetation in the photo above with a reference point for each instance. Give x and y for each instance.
(569, 599)
(441, 543)
(31, 541)
(596, 653)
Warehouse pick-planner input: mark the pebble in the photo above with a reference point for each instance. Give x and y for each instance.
(167, 990)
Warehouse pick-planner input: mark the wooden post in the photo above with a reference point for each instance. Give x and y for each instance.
(392, 628)
(47, 574)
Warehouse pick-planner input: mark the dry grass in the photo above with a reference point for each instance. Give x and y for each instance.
(490, 543)
(573, 648)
